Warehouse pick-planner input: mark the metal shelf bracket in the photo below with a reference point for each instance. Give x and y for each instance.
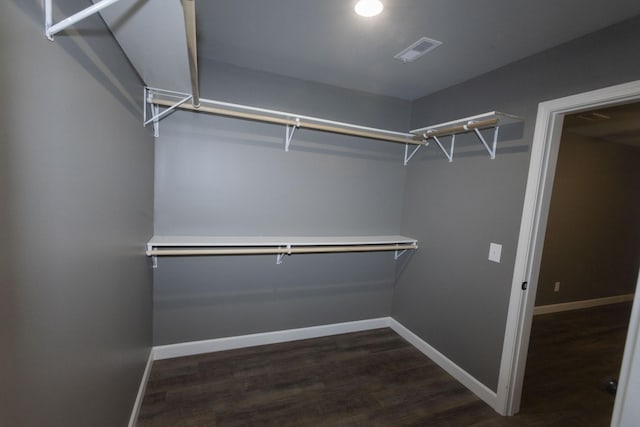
(51, 29)
(280, 256)
(289, 130)
(398, 253)
(491, 150)
(407, 155)
(154, 258)
(157, 115)
(448, 154)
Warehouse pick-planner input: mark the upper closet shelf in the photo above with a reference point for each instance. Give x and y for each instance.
(278, 245)
(491, 119)
(156, 98)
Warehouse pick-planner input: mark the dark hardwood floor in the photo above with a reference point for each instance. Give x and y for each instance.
(571, 356)
(375, 378)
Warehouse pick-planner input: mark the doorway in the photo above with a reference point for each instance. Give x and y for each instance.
(544, 155)
(588, 268)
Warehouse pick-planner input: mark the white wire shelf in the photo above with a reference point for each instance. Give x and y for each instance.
(492, 119)
(172, 100)
(278, 245)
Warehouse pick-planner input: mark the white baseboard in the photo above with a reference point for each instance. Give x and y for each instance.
(483, 392)
(230, 343)
(133, 420)
(576, 305)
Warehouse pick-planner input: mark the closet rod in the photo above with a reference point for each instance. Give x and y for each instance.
(192, 50)
(295, 120)
(280, 250)
(52, 29)
(457, 129)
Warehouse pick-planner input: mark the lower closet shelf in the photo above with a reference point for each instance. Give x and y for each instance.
(278, 245)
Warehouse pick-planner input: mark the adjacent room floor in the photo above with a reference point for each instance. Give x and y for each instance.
(375, 378)
(571, 357)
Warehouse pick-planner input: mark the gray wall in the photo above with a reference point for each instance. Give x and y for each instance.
(592, 243)
(76, 181)
(221, 176)
(449, 293)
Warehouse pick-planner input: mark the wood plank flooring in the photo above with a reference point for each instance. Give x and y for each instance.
(375, 378)
(571, 356)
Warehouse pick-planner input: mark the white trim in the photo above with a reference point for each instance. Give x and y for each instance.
(625, 409)
(544, 150)
(577, 305)
(466, 379)
(230, 343)
(133, 420)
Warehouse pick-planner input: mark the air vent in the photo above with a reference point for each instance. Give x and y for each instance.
(417, 49)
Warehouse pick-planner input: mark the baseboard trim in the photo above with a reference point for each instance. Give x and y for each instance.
(483, 392)
(576, 305)
(133, 420)
(230, 343)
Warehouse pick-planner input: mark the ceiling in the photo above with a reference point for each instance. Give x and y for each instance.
(619, 124)
(325, 41)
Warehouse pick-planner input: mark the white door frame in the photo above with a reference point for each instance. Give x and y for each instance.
(626, 411)
(544, 155)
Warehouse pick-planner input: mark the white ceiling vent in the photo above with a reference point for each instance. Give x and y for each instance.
(417, 49)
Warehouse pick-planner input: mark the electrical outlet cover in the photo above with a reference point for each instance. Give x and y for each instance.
(495, 251)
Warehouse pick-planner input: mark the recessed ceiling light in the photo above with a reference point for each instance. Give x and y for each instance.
(368, 8)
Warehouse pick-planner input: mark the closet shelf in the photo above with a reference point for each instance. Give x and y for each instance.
(173, 100)
(278, 245)
(491, 119)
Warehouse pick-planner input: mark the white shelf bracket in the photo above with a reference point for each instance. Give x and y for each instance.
(280, 256)
(156, 114)
(51, 29)
(491, 150)
(154, 258)
(398, 254)
(289, 131)
(407, 155)
(156, 123)
(448, 154)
